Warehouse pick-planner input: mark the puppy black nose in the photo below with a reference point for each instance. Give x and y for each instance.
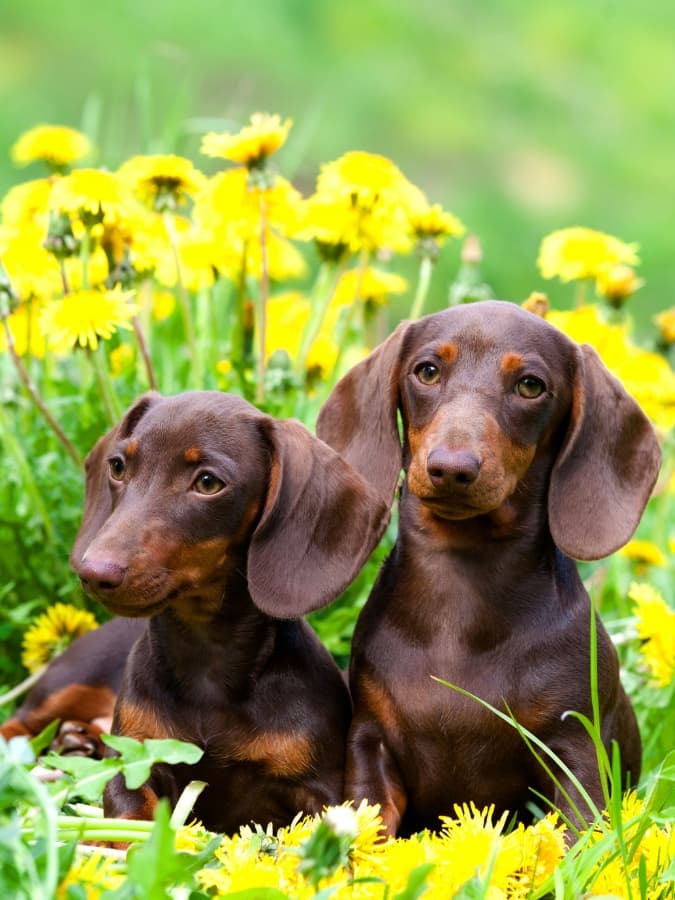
(452, 468)
(100, 575)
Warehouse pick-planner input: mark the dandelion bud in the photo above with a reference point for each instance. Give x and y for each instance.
(60, 240)
(617, 283)
(537, 303)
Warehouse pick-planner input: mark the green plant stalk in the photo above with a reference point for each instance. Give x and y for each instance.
(145, 354)
(261, 361)
(530, 737)
(85, 254)
(36, 398)
(14, 449)
(343, 329)
(184, 301)
(423, 282)
(22, 687)
(326, 282)
(47, 810)
(110, 402)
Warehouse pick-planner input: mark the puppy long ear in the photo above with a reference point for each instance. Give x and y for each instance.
(319, 523)
(97, 497)
(359, 418)
(606, 469)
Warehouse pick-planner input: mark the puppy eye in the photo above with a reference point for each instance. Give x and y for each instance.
(117, 468)
(428, 373)
(208, 483)
(530, 387)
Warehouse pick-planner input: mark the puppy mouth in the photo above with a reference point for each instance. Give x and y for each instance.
(454, 507)
(134, 609)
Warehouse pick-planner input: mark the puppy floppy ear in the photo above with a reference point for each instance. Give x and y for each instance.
(359, 418)
(97, 497)
(319, 523)
(606, 468)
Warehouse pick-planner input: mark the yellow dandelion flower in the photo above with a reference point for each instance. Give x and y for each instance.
(362, 201)
(434, 223)
(26, 338)
(366, 178)
(32, 270)
(580, 252)
(196, 265)
(666, 323)
(287, 317)
(645, 553)
(84, 317)
(52, 632)
(122, 359)
(162, 181)
(370, 285)
(91, 194)
(471, 840)
(646, 376)
(27, 203)
(616, 282)
(163, 305)
(253, 144)
(646, 862)
(541, 848)
(229, 207)
(224, 367)
(94, 874)
(656, 629)
(56, 145)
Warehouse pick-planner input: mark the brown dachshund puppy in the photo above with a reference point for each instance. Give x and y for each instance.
(79, 687)
(220, 526)
(520, 450)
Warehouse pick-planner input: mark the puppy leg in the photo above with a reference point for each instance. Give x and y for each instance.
(372, 774)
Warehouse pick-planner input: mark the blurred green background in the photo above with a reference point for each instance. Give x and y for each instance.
(519, 117)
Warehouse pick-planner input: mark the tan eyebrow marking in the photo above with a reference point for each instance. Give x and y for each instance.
(448, 352)
(192, 455)
(511, 362)
(131, 449)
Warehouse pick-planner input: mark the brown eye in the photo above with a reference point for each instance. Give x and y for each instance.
(208, 483)
(428, 373)
(117, 468)
(530, 387)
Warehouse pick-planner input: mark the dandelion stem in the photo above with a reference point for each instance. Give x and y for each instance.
(327, 280)
(423, 282)
(35, 396)
(348, 315)
(183, 300)
(145, 355)
(262, 305)
(19, 689)
(110, 403)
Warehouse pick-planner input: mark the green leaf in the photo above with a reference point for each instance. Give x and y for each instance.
(139, 757)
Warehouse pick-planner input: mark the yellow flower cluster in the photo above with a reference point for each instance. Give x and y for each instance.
(468, 845)
(52, 632)
(67, 240)
(645, 375)
(656, 629)
(56, 145)
(578, 252)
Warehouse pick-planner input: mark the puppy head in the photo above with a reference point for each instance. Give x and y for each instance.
(189, 493)
(490, 395)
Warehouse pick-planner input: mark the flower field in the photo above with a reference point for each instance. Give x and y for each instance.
(173, 274)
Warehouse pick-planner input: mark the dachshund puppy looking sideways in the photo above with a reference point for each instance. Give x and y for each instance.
(220, 526)
(520, 451)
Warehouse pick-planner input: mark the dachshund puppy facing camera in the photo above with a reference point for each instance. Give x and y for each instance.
(220, 526)
(521, 453)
